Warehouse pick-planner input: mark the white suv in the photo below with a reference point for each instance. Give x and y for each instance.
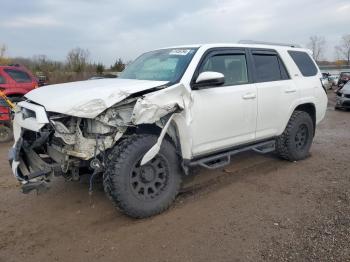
(170, 110)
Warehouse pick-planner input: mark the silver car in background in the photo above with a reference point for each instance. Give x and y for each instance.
(343, 97)
(333, 80)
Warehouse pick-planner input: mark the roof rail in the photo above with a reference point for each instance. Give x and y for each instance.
(251, 42)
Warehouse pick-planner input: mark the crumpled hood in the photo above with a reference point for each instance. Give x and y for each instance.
(89, 98)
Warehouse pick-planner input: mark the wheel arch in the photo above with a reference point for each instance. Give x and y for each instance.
(172, 133)
(309, 108)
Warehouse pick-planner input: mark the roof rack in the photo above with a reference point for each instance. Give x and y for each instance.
(251, 42)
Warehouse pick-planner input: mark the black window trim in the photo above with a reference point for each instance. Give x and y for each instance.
(222, 51)
(262, 51)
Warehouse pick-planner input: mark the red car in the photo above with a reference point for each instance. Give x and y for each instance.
(16, 81)
(6, 133)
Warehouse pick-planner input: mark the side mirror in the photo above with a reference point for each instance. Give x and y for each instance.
(209, 78)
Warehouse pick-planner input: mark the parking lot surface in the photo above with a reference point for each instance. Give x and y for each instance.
(259, 208)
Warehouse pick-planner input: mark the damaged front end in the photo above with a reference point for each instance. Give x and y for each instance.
(50, 144)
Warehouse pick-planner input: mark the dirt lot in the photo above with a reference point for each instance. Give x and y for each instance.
(259, 208)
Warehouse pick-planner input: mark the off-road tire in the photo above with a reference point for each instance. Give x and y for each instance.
(6, 134)
(122, 166)
(288, 145)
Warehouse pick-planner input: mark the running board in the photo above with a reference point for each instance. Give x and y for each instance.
(223, 159)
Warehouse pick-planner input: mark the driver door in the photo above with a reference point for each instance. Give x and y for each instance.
(223, 116)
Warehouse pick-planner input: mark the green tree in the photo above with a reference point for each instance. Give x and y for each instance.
(118, 66)
(100, 68)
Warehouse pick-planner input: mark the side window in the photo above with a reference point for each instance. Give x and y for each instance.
(232, 66)
(269, 67)
(18, 76)
(2, 80)
(304, 62)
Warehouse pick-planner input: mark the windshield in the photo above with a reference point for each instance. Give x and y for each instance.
(160, 65)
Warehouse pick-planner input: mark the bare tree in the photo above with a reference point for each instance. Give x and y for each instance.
(317, 45)
(77, 59)
(343, 50)
(3, 59)
(3, 49)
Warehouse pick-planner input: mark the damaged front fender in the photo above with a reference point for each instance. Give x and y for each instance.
(150, 108)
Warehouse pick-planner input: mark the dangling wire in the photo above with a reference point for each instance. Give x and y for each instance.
(96, 167)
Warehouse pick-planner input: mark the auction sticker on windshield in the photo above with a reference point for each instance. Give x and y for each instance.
(179, 52)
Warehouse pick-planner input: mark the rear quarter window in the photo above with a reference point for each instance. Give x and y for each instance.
(19, 76)
(304, 62)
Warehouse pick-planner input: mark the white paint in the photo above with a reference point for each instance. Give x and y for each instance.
(155, 149)
(208, 75)
(206, 120)
(88, 98)
(40, 113)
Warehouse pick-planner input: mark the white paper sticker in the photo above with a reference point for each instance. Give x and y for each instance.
(179, 52)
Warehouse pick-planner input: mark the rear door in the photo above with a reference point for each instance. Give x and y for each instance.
(276, 92)
(223, 116)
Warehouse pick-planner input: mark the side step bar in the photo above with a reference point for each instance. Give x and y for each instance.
(223, 159)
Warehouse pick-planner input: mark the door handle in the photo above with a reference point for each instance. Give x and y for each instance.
(249, 96)
(290, 90)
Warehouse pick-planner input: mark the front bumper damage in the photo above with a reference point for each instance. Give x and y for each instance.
(30, 169)
(45, 148)
(52, 144)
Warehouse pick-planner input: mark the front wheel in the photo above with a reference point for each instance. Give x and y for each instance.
(142, 191)
(295, 142)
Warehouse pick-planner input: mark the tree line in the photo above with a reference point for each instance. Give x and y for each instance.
(77, 65)
(318, 45)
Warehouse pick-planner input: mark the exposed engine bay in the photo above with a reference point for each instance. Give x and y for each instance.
(51, 144)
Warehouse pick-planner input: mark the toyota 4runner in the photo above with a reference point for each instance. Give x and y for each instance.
(170, 110)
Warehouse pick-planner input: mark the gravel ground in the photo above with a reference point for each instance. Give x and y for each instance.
(259, 208)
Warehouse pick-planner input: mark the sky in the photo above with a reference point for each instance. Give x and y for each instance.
(112, 28)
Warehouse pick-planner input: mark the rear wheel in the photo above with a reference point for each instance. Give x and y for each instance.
(295, 142)
(6, 134)
(142, 191)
